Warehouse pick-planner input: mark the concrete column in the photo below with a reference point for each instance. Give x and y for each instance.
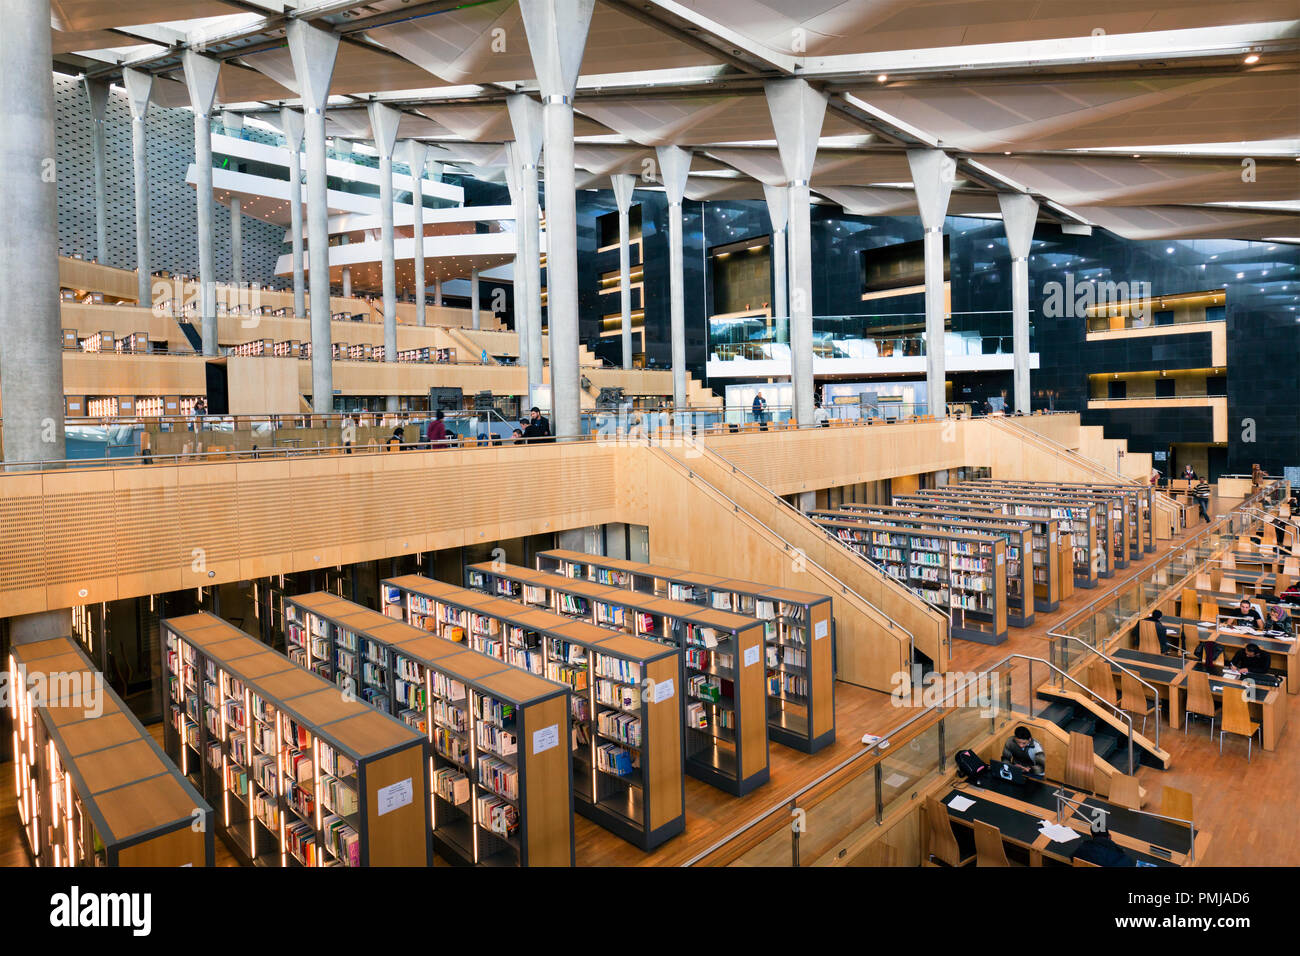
(201, 81)
(797, 111)
(31, 359)
(557, 36)
(313, 51)
(234, 125)
(139, 86)
(347, 282)
(291, 125)
(97, 93)
(674, 169)
(526, 121)
(623, 185)
(514, 174)
(416, 155)
(383, 126)
(473, 299)
(778, 211)
(933, 172)
(1019, 216)
(437, 291)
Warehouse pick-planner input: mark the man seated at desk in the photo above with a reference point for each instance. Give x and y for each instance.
(1251, 659)
(1248, 615)
(1167, 646)
(1278, 620)
(1023, 751)
(1101, 850)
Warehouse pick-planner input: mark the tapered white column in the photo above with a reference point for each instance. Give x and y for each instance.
(437, 291)
(933, 172)
(526, 121)
(1019, 216)
(797, 111)
(513, 177)
(234, 123)
(291, 125)
(139, 86)
(416, 155)
(473, 299)
(674, 169)
(557, 36)
(347, 282)
(623, 185)
(383, 126)
(778, 211)
(201, 81)
(313, 51)
(97, 94)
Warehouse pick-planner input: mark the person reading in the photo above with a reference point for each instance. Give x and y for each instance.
(1023, 751)
(1250, 659)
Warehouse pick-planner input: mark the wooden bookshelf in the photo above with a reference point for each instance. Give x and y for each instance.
(1134, 521)
(723, 693)
(500, 788)
(1079, 519)
(799, 661)
(1048, 541)
(963, 574)
(304, 775)
(630, 781)
(1018, 536)
(1114, 526)
(93, 788)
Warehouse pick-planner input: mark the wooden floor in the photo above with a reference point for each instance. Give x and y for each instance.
(1245, 808)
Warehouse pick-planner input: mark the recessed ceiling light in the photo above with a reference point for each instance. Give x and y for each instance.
(882, 77)
(1252, 59)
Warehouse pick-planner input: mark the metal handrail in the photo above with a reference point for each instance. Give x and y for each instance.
(883, 744)
(1165, 558)
(1154, 692)
(1077, 805)
(740, 509)
(736, 469)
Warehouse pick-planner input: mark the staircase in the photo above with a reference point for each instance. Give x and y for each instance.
(1075, 712)
(887, 604)
(192, 336)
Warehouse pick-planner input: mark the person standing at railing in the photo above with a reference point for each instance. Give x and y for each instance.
(538, 428)
(1202, 495)
(436, 434)
(760, 409)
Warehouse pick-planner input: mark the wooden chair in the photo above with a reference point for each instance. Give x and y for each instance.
(989, 850)
(1176, 803)
(1291, 567)
(1228, 585)
(1133, 698)
(1100, 680)
(942, 849)
(1078, 862)
(1229, 561)
(1148, 642)
(1079, 767)
(1125, 791)
(1200, 700)
(1190, 604)
(1236, 719)
(1203, 581)
(1209, 610)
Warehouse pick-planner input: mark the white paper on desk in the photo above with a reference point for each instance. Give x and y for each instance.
(1057, 833)
(960, 803)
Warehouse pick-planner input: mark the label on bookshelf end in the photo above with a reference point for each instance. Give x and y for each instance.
(394, 796)
(751, 655)
(820, 630)
(663, 690)
(546, 738)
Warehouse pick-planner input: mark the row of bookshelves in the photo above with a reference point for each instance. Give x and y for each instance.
(1138, 527)
(304, 775)
(500, 787)
(796, 628)
(624, 737)
(83, 765)
(733, 761)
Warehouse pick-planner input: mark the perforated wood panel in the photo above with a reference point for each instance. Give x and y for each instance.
(116, 533)
(173, 218)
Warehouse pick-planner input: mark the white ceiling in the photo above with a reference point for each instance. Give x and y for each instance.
(1068, 101)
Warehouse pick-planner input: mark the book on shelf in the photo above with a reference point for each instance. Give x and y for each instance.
(496, 815)
(452, 785)
(614, 760)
